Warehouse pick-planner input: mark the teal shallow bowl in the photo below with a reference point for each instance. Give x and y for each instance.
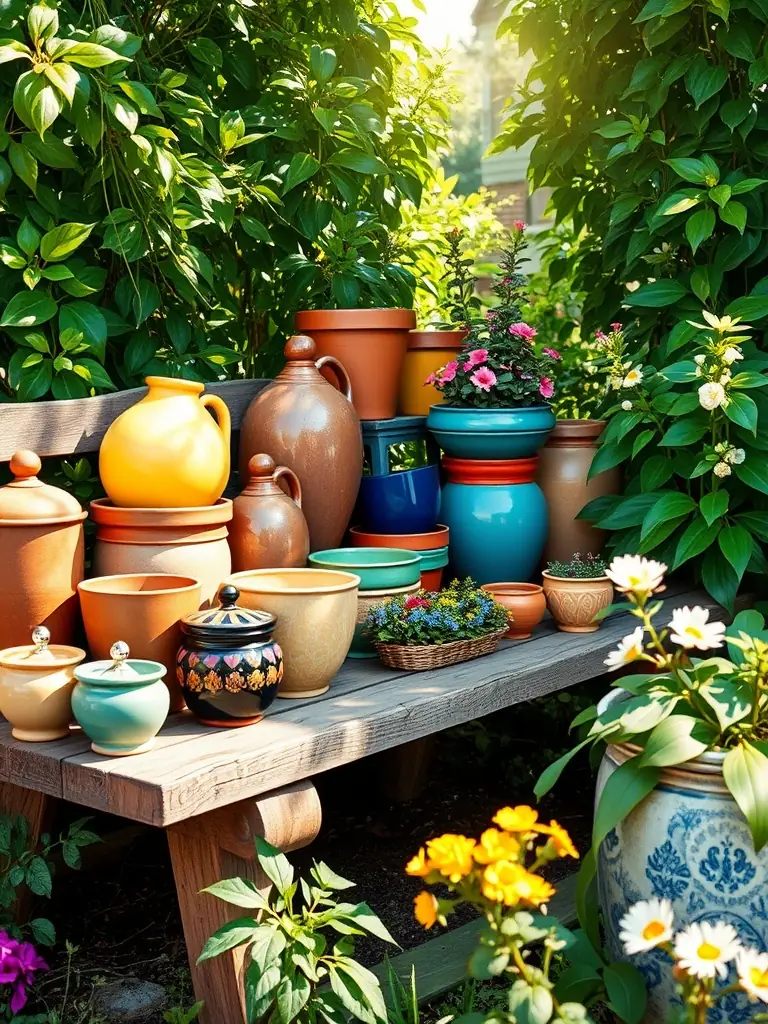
(378, 568)
(434, 558)
(467, 433)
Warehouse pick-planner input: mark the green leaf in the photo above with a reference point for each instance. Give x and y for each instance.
(729, 698)
(671, 505)
(741, 409)
(268, 943)
(363, 916)
(24, 164)
(274, 864)
(676, 740)
(359, 990)
(684, 431)
(87, 55)
(689, 169)
(745, 770)
(747, 185)
(756, 523)
(322, 63)
(34, 382)
(552, 773)
(747, 379)
(93, 374)
(627, 995)
(736, 544)
(657, 294)
(699, 227)
(704, 80)
(43, 931)
(141, 98)
(122, 111)
(719, 578)
(27, 309)
(36, 101)
(27, 237)
(624, 789)
(713, 506)
(302, 167)
(699, 536)
(260, 990)
(530, 1004)
(232, 934)
(12, 49)
(50, 151)
(735, 111)
(63, 240)
(753, 473)
(63, 77)
(292, 996)
(736, 214)
(42, 22)
(354, 160)
(86, 318)
(38, 877)
(239, 891)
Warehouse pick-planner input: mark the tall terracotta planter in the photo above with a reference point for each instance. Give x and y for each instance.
(564, 463)
(427, 352)
(303, 422)
(371, 343)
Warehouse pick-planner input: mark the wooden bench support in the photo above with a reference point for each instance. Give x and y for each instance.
(403, 770)
(220, 844)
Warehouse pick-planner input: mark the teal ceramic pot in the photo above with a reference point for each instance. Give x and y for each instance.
(497, 516)
(378, 568)
(120, 704)
(490, 433)
(433, 561)
(361, 645)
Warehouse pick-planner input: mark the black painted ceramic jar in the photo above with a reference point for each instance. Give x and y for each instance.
(228, 666)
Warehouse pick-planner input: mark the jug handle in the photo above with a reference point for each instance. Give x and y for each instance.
(221, 411)
(341, 373)
(294, 487)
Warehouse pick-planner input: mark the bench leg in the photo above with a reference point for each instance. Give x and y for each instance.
(403, 770)
(219, 845)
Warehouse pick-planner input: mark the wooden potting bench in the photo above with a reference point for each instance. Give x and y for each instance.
(214, 790)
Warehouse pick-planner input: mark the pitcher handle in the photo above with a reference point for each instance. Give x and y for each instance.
(341, 373)
(221, 412)
(294, 487)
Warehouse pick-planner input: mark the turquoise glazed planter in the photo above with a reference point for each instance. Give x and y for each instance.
(378, 568)
(497, 516)
(437, 558)
(490, 433)
(120, 704)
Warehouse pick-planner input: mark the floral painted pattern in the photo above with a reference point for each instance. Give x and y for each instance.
(667, 872)
(251, 670)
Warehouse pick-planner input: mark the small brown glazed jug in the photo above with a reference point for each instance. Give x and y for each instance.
(42, 553)
(268, 529)
(304, 423)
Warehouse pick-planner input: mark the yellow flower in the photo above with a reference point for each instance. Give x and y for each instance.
(511, 884)
(418, 866)
(425, 909)
(518, 819)
(562, 842)
(495, 845)
(451, 855)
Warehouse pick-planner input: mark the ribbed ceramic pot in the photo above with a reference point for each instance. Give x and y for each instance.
(465, 433)
(564, 463)
(525, 604)
(428, 351)
(574, 603)
(361, 645)
(378, 568)
(497, 516)
(687, 842)
(437, 538)
(177, 541)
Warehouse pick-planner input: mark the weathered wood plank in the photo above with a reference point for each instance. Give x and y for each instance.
(77, 425)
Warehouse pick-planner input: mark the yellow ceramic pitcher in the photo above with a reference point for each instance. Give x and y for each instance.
(167, 451)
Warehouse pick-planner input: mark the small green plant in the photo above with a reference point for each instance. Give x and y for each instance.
(293, 951)
(463, 306)
(178, 1015)
(587, 568)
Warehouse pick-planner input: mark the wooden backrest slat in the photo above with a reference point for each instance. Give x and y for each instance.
(75, 426)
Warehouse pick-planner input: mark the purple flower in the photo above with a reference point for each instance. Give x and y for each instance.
(19, 962)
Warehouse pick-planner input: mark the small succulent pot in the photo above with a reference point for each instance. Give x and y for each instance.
(228, 666)
(525, 604)
(378, 568)
(362, 647)
(36, 683)
(574, 602)
(120, 703)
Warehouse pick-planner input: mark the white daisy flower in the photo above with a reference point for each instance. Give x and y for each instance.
(732, 355)
(633, 378)
(629, 649)
(722, 469)
(735, 456)
(704, 950)
(690, 627)
(646, 925)
(752, 968)
(633, 572)
(626, 406)
(711, 395)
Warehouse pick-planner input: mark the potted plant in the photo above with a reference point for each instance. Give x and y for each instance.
(359, 315)
(682, 792)
(430, 630)
(576, 592)
(495, 395)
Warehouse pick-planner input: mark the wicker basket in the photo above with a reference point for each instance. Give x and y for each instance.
(418, 658)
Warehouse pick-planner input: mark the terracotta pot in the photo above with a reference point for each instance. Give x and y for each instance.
(304, 423)
(437, 538)
(166, 451)
(143, 610)
(371, 343)
(525, 603)
(361, 645)
(316, 611)
(574, 603)
(432, 579)
(427, 352)
(564, 463)
(42, 554)
(269, 530)
(178, 541)
(36, 683)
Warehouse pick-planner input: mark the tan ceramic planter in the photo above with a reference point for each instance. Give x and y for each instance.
(176, 541)
(316, 611)
(574, 603)
(36, 684)
(143, 610)
(525, 604)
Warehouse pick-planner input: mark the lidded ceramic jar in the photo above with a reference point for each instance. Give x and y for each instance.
(42, 554)
(268, 529)
(303, 422)
(228, 666)
(120, 703)
(36, 683)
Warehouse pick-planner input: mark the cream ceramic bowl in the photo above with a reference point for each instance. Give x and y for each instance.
(36, 686)
(316, 611)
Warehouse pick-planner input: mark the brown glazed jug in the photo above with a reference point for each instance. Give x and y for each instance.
(268, 529)
(42, 554)
(304, 423)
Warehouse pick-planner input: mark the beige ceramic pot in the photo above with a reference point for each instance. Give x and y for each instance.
(36, 683)
(574, 603)
(316, 612)
(176, 541)
(143, 610)
(525, 604)
(564, 463)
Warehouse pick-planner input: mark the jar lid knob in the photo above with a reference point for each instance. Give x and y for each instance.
(41, 637)
(261, 465)
(300, 346)
(25, 464)
(118, 652)
(228, 596)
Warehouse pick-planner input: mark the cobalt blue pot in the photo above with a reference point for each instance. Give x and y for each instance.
(407, 502)
(497, 516)
(496, 434)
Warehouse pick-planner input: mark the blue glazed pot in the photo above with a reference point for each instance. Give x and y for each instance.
(490, 433)
(407, 502)
(497, 516)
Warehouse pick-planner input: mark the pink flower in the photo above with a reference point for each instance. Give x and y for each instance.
(519, 225)
(546, 387)
(490, 315)
(431, 379)
(484, 379)
(416, 602)
(475, 358)
(600, 336)
(552, 353)
(523, 331)
(448, 372)
(616, 327)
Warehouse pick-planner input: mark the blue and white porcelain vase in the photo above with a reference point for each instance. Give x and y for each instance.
(687, 842)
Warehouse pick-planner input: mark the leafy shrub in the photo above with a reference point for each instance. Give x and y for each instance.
(587, 568)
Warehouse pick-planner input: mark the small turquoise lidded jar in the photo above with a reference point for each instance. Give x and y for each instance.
(120, 704)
